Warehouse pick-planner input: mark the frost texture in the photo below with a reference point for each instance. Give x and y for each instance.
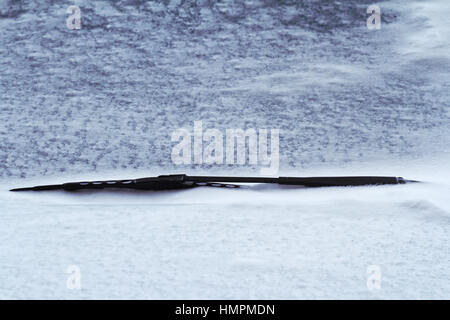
(109, 95)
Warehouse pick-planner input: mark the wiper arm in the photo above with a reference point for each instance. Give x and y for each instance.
(182, 181)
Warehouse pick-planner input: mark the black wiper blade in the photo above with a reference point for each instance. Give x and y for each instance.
(182, 181)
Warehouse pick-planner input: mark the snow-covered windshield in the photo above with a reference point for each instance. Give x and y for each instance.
(111, 89)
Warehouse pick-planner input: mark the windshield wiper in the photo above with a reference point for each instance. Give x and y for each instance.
(182, 181)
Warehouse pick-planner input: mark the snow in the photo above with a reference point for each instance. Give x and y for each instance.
(260, 242)
(101, 103)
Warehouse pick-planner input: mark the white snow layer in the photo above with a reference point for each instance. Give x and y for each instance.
(253, 243)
